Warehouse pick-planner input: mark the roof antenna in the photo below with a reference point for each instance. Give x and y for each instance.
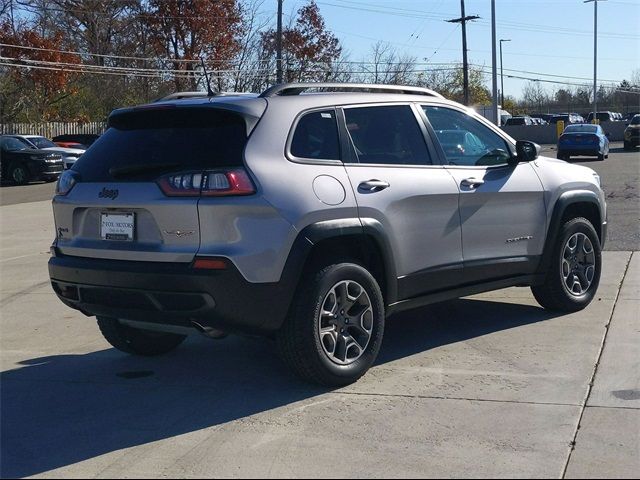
(210, 92)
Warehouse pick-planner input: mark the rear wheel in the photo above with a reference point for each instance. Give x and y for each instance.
(19, 173)
(334, 330)
(601, 157)
(627, 145)
(137, 341)
(574, 273)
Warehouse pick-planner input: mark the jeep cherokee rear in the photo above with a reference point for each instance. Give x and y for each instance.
(310, 218)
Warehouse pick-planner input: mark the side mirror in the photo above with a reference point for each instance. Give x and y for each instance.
(608, 135)
(526, 151)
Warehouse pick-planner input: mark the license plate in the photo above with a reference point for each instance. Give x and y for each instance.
(117, 226)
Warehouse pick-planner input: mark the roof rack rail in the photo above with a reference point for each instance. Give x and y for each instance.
(182, 95)
(286, 89)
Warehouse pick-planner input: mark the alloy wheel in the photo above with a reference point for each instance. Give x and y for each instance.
(345, 322)
(578, 264)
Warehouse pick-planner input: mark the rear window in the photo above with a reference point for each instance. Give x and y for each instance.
(582, 128)
(142, 145)
(316, 137)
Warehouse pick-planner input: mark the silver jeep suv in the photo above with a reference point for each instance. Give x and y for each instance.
(309, 214)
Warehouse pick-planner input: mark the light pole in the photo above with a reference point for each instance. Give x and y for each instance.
(501, 74)
(595, 58)
(279, 44)
(494, 70)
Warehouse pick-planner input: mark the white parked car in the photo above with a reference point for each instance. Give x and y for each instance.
(69, 155)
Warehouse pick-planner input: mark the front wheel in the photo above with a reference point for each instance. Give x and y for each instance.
(334, 330)
(574, 272)
(19, 174)
(137, 341)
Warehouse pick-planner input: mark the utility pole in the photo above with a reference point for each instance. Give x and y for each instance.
(595, 58)
(494, 67)
(501, 74)
(465, 65)
(279, 44)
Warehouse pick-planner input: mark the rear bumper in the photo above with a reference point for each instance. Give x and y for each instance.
(578, 150)
(171, 294)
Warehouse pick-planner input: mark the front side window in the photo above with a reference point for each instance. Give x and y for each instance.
(316, 137)
(12, 144)
(388, 135)
(465, 140)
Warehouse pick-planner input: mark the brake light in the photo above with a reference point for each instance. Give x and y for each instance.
(216, 183)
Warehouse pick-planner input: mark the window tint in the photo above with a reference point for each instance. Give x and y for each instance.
(11, 144)
(42, 142)
(583, 128)
(465, 140)
(387, 135)
(165, 140)
(316, 137)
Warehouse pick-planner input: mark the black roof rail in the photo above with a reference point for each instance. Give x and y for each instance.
(182, 95)
(286, 89)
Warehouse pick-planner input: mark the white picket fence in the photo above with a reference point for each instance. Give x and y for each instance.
(52, 129)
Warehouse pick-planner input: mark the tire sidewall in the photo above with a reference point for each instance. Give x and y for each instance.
(330, 277)
(579, 225)
(19, 166)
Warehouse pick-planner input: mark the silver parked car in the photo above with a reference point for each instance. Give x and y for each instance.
(309, 214)
(69, 155)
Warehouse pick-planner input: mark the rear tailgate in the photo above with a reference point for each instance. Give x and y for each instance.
(118, 211)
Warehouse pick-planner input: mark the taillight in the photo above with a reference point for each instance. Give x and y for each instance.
(214, 183)
(66, 181)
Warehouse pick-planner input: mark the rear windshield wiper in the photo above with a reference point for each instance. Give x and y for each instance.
(133, 170)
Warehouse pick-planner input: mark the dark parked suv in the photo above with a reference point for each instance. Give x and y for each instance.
(20, 162)
(309, 214)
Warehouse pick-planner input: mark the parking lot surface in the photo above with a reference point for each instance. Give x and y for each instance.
(489, 385)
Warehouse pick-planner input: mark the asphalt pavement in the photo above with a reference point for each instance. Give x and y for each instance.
(486, 386)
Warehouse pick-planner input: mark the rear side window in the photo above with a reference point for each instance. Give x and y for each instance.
(387, 135)
(316, 137)
(142, 145)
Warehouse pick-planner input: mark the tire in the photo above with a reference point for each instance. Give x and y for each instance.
(308, 352)
(561, 156)
(554, 294)
(137, 341)
(601, 157)
(627, 146)
(19, 174)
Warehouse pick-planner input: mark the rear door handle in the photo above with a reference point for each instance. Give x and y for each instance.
(373, 185)
(472, 182)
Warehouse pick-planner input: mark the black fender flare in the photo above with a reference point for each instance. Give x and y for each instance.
(316, 232)
(562, 203)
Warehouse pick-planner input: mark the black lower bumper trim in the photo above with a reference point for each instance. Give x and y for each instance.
(173, 294)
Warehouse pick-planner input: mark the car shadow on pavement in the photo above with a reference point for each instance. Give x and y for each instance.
(60, 410)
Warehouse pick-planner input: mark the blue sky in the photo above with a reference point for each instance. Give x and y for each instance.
(552, 37)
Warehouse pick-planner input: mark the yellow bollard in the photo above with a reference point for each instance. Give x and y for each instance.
(559, 128)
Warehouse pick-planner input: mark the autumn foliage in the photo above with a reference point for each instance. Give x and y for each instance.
(47, 86)
(309, 49)
(194, 29)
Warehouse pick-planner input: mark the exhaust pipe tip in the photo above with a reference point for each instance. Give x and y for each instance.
(209, 332)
